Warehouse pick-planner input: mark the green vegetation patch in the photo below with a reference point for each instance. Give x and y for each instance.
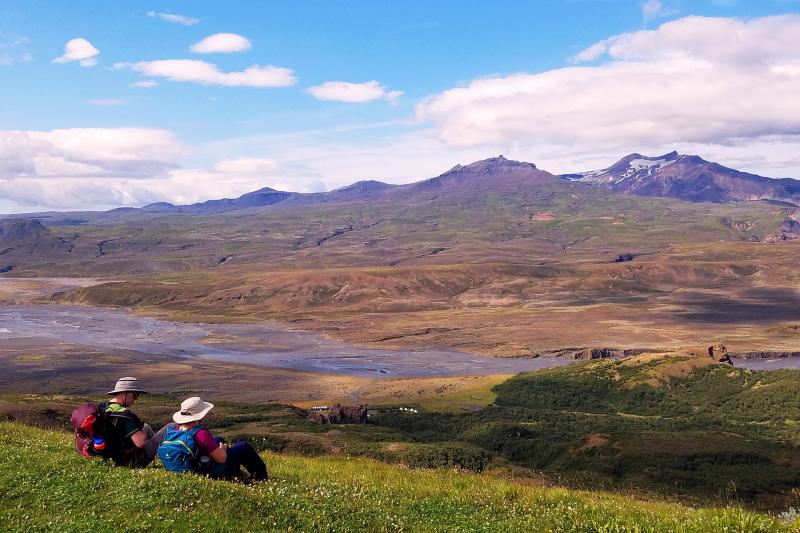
(674, 425)
(47, 486)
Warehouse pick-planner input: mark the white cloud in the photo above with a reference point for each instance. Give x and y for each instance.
(693, 80)
(88, 152)
(222, 43)
(226, 179)
(173, 18)
(343, 91)
(145, 84)
(102, 168)
(196, 71)
(653, 9)
(80, 50)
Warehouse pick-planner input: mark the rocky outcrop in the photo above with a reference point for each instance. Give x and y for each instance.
(623, 258)
(719, 353)
(790, 231)
(764, 355)
(594, 353)
(340, 414)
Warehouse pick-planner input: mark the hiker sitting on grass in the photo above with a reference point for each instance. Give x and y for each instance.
(138, 441)
(190, 447)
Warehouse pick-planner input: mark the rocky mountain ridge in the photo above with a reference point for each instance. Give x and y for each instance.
(685, 177)
(688, 177)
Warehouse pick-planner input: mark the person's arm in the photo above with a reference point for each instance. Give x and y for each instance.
(129, 427)
(139, 439)
(216, 450)
(220, 455)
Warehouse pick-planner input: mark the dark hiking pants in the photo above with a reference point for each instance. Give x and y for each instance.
(242, 454)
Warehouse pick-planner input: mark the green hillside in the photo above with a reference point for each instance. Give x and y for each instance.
(46, 486)
(674, 425)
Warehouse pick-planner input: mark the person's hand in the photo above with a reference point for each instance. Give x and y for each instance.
(223, 445)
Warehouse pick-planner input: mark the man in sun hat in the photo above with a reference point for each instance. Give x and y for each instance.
(138, 442)
(187, 445)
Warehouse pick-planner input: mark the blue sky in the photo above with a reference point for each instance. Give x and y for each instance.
(426, 85)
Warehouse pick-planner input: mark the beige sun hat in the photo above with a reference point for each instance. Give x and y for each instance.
(192, 410)
(127, 384)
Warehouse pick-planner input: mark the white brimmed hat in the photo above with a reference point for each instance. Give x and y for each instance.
(127, 384)
(192, 410)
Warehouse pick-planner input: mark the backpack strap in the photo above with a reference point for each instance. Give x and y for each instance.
(115, 410)
(192, 432)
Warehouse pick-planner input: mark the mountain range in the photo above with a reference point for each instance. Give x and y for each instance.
(688, 177)
(673, 175)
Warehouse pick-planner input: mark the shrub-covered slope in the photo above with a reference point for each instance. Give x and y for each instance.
(676, 425)
(46, 486)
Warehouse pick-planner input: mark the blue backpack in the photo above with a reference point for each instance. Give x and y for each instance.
(178, 452)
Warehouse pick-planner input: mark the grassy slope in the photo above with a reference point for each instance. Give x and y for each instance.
(675, 425)
(46, 486)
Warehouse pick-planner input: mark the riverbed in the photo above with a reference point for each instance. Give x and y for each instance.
(268, 344)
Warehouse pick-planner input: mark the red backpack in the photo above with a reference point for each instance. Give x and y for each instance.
(94, 435)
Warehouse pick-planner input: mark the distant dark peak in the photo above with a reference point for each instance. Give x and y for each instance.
(156, 205)
(493, 163)
(261, 191)
(364, 185)
(21, 229)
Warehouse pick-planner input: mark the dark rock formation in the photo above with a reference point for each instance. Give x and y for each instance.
(594, 353)
(341, 414)
(764, 355)
(719, 353)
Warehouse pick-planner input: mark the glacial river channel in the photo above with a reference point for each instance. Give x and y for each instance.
(269, 345)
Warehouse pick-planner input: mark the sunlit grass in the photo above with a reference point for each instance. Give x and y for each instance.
(47, 486)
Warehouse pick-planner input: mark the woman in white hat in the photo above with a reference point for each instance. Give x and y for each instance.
(190, 435)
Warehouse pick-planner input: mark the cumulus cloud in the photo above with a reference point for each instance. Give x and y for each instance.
(693, 80)
(222, 43)
(80, 50)
(196, 71)
(226, 179)
(343, 91)
(102, 168)
(173, 18)
(89, 152)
